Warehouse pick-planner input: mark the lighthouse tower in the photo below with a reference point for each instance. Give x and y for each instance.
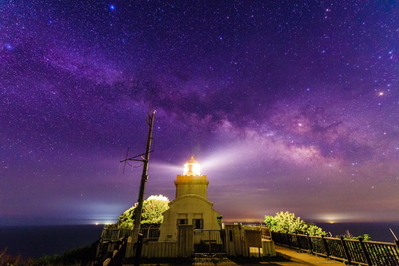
(191, 182)
(191, 205)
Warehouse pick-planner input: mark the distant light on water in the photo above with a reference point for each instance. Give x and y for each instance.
(103, 222)
(336, 217)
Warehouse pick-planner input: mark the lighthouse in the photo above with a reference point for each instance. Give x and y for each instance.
(191, 205)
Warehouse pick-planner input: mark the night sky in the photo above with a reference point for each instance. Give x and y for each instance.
(287, 106)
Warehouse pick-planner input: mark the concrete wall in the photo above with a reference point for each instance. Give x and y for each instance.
(268, 248)
(235, 242)
(242, 242)
(181, 248)
(160, 250)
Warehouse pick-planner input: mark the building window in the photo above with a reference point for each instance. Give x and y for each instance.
(182, 221)
(198, 223)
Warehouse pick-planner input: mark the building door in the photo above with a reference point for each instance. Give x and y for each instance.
(208, 242)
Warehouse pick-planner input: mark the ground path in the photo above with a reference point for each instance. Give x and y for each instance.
(289, 257)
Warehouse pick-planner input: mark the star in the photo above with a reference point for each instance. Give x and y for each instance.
(266, 96)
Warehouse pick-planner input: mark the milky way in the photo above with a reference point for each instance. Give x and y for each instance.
(287, 106)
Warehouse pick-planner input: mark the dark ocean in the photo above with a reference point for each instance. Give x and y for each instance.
(38, 241)
(377, 231)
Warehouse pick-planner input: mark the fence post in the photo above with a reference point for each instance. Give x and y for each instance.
(275, 237)
(348, 257)
(310, 243)
(292, 242)
(297, 240)
(210, 243)
(325, 246)
(365, 253)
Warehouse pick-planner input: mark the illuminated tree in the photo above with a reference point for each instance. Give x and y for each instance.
(314, 230)
(153, 207)
(286, 222)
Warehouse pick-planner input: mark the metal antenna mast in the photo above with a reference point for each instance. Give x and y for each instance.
(144, 176)
(145, 157)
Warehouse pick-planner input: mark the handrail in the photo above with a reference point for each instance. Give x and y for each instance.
(118, 255)
(352, 251)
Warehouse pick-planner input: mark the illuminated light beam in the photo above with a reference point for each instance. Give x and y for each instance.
(165, 168)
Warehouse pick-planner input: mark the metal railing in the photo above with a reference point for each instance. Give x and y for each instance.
(119, 255)
(352, 251)
(114, 233)
(150, 232)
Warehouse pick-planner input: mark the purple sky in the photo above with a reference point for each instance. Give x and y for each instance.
(287, 106)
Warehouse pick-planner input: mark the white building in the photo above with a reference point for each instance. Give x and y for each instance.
(191, 205)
